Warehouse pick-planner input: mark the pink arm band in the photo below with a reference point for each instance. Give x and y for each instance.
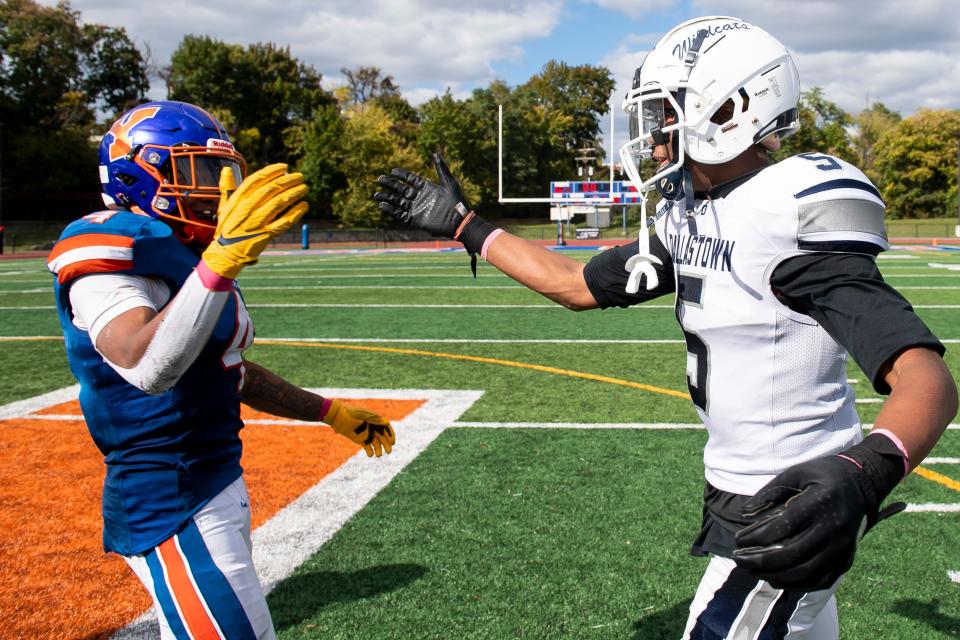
(325, 408)
(486, 243)
(213, 281)
(893, 438)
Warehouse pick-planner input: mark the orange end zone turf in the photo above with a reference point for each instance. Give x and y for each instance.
(55, 580)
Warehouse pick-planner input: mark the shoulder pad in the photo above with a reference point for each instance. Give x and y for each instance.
(838, 208)
(101, 242)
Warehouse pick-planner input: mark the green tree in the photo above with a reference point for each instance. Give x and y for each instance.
(262, 90)
(464, 131)
(823, 128)
(406, 119)
(373, 149)
(871, 124)
(547, 121)
(916, 162)
(56, 74)
(368, 83)
(320, 146)
(116, 70)
(581, 93)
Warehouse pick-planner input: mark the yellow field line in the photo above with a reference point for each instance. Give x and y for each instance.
(933, 476)
(30, 338)
(497, 361)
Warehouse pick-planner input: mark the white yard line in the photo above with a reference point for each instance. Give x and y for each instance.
(381, 287)
(447, 340)
(304, 525)
(383, 275)
(335, 305)
(478, 340)
(934, 507)
(579, 425)
(22, 408)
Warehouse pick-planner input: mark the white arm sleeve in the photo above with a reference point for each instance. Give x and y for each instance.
(99, 298)
(178, 340)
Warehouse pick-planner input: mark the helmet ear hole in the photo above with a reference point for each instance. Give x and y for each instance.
(126, 179)
(724, 113)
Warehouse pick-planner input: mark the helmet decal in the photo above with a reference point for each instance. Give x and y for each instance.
(121, 130)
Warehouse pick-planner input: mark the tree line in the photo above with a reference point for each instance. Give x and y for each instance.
(63, 81)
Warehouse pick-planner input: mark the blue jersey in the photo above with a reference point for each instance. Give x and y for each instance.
(167, 454)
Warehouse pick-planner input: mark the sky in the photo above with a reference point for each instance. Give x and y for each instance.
(905, 54)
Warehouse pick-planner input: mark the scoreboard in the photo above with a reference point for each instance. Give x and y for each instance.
(623, 191)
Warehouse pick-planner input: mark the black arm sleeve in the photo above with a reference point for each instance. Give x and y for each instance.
(607, 276)
(846, 294)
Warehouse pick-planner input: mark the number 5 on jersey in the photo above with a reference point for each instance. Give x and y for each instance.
(690, 291)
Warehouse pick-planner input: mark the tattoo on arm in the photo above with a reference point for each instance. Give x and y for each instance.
(266, 391)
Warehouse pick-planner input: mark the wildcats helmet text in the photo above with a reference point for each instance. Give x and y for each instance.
(680, 50)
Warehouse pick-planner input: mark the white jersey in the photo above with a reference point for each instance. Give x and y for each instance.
(769, 384)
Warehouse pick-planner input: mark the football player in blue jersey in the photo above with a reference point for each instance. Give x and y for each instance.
(772, 268)
(155, 329)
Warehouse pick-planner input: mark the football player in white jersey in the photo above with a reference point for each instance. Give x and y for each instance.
(775, 280)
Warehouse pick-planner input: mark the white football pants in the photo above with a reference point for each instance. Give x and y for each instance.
(202, 580)
(732, 605)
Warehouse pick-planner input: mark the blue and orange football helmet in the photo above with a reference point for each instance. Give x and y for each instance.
(164, 159)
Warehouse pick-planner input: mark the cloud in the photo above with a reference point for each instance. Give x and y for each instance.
(865, 49)
(622, 63)
(856, 51)
(902, 80)
(853, 25)
(424, 44)
(635, 8)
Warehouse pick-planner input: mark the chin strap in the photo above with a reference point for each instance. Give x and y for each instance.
(688, 203)
(642, 264)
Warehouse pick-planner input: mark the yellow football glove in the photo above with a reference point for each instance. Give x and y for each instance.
(363, 427)
(267, 203)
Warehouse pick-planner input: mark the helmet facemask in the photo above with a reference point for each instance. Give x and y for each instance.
(655, 119)
(189, 190)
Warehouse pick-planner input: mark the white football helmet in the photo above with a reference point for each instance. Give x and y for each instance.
(720, 85)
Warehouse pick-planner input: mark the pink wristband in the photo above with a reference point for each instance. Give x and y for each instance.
(325, 408)
(486, 243)
(213, 281)
(896, 441)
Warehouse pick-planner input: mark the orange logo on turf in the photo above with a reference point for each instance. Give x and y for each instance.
(121, 131)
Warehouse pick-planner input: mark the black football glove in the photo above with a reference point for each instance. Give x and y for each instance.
(809, 519)
(440, 209)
